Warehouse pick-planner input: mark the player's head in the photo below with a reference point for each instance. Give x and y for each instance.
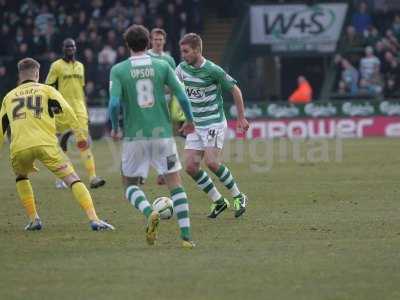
(69, 48)
(137, 38)
(191, 47)
(28, 69)
(158, 39)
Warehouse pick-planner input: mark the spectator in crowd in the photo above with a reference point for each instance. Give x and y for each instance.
(91, 92)
(44, 19)
(107, 55)
(380, 50)
(370, 64)
(396, 26)
(371, 36)
(91, 63)
(5, 84)
(36, 28)
(5, 35)
(137, 11)
(37, 43)
(349, 78)
(352, 38)
(372, 86)
(361, 19)
(392, 75)
(121, 53)
(69, 28)
(303, 93)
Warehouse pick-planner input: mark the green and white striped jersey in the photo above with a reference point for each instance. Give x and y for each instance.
(164, 56)
(204, 87)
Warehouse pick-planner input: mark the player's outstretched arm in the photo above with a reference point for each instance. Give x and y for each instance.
(52, 76)
(66, 114)
(242, 123)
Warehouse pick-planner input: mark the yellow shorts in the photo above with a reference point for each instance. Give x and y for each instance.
(62, 126)
(52, 157)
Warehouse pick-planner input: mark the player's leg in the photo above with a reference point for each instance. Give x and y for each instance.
(22, 164)
(212, 160)
(83, 197)
(88, 158)
(135, 195)
(166, 161)
(181, 207)
(194, 152)
(134, 168)
(25, 193)
(56, 161)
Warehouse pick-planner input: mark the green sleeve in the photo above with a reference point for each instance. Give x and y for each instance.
(115, 84)
(223, 78)
(171, 62)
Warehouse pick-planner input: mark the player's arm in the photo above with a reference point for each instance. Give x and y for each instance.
(59, 106)
(230, 84)
(52, 76)
(179, 92)
(114, 103)
(4, 123)
(243, 124)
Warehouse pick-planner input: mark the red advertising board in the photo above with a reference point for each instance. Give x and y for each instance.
(339, 127)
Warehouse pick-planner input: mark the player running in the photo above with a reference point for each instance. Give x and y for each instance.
(204, 82)
(138, 85)
(67, 75)
(29, 112)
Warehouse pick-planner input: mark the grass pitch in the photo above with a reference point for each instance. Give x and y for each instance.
(323, 222)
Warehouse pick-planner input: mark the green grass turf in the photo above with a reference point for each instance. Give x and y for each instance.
(313, 230)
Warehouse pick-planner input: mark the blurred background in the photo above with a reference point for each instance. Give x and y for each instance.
(292, 59)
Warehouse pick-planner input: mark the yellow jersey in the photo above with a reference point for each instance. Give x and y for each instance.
(69, 79)
(29, 111)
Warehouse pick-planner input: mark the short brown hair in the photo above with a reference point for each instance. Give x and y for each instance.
(137, 37)
(158, 31)
(193, 40)
(28, 64)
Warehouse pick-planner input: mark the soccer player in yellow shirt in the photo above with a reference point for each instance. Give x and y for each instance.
(29, 112)
(67, 75)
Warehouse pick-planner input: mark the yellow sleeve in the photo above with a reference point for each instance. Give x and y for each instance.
(177, 114)
(83, 75)
(65, 112)
(52, 77)
(4, 123)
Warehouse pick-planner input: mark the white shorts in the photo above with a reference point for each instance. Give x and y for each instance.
(210, 137)
(139, 155)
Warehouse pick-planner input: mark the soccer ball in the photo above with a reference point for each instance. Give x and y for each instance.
(164, 206)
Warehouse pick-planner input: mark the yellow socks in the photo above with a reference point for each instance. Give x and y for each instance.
(25, 193)
(84, 199)
(88, 161)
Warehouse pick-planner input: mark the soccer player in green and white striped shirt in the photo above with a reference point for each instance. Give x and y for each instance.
(204, 82)
(158, 38)
(137, 84)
